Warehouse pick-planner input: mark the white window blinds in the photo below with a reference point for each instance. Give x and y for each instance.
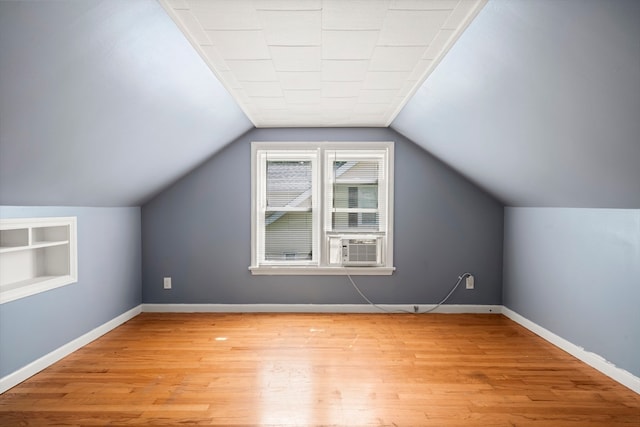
(357, 196)
(287, 204)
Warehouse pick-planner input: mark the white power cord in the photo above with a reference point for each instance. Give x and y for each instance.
(407, 311)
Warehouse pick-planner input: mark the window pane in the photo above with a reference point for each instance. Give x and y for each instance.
(362, 171)
(355, 220)
(288, 183)
(288, 236)
(355, 186)
(355, 196)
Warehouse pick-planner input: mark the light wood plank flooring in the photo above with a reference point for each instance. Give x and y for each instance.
(320, 369)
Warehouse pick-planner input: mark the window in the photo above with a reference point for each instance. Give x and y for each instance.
(322, 208)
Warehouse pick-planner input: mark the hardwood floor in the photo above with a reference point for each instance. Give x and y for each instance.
(320, 369)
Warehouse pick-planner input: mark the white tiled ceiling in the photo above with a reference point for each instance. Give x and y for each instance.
(302, 63)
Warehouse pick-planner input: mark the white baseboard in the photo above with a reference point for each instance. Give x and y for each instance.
(316, 308)
(620, 375)
(49, 359)
(598, 362)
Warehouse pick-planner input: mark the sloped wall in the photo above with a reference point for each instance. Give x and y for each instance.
(198, 232)
(538, 102)
(108, 285)
(576, 273)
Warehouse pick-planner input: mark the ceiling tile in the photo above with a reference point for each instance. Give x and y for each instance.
(353, 15)
(298, 80)
(225, 15)
(369, 120)
(348, 44)
(274, 114)
(302, 96)
(178, 4)
(287, 4)
(263, 89)
(339, 113)
(370, 109)
(344, 70)
(369, 96)
(396, 58)
(423, 4)
(411, 27)
(330, 104)
(334, 120)
(385, 80)
(291, 28)
(253, 70)
(341, 89)
(300, 109)
(267, 102)
(295, 58)
(240, 44)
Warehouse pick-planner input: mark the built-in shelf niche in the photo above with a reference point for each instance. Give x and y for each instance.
(36, 255)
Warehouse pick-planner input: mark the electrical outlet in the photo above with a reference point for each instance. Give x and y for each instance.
(470, 282)
(167, 282)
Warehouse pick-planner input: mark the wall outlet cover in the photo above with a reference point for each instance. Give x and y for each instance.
(470, 282)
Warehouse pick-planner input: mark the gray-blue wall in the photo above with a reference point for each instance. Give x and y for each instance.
(198, 232)
(576, 272)
(538, 102)
(108, 285)
(88, 88)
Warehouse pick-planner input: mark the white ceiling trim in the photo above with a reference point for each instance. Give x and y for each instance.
(333, 63)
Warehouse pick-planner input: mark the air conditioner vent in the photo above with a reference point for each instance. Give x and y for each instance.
(361, 252)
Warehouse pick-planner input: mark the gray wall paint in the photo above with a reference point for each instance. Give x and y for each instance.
(576, 272)
(539, 102)
(198, 232)
(108, 285)
(103, 103)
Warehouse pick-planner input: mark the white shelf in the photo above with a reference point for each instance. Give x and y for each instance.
(5, 249)
(36, 255)
(49, 244)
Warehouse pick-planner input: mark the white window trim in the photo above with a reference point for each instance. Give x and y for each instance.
(319, 264)
(261, 206)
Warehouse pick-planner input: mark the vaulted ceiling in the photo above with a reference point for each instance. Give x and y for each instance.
(105, 103)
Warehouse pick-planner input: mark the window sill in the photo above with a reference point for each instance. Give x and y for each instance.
(320, 271)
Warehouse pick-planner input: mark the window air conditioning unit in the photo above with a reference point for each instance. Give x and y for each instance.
(361, 251)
